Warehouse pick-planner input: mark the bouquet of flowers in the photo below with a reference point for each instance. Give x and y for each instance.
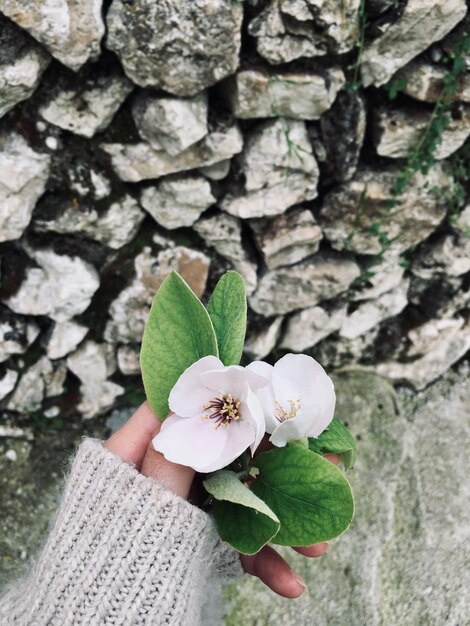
(258, 432)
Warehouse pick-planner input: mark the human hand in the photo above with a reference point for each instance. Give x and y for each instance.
(133, 443)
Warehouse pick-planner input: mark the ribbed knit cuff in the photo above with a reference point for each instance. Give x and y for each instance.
(123, 550)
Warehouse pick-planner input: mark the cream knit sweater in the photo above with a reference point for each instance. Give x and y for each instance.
(123, 550)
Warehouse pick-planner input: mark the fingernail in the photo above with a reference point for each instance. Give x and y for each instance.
(298, 579)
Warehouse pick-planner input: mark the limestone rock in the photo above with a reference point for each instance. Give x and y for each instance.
(22, 63)
(287, 239)
(286, 289)
(422, 23)
(129, 311)
(70, 29)
(16, 334)
(179, 47)
(64, 338)
(280, 171)
(86, 107)
(114, 227)
(383, 276)
(171, 124)
(306, 328)
(93, 363)
(43, 379)
(135, 162)
(262, 342)
(223, 232)
(424, 81)
(7, 383)
(289, 29)
(335, 352)
(218, 171)
(396, 131)
(23, 176)
(178, 200)
(60, 286)
(462, 223)
(435, 346)
(302, 96)
(449, 255)
(128, 360)
(351, 213)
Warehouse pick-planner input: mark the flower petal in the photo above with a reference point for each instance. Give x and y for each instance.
(190, 441)
(265, 395)
(251, 406)
(232, 379)
(261, 368)
(292, 429)
(189, 394)
(239, 437)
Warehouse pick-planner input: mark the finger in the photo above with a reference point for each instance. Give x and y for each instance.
(318, 549)
(131, 441)
(176, 478)
(333, 458)
(274, 572)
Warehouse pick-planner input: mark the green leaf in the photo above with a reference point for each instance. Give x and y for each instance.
(336, 438)
(227, 310)
(309, 495)
(243, 520)
(178, 333)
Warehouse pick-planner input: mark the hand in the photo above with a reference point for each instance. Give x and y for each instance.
(133, 443)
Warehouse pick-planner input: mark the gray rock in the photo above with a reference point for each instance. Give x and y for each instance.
(64, 338)
(435, 346)
(23, 176)
(218, 171)
(70, 29)
(280, 171)
(306, 328)
(396, 131)
(16, 335)
(422, 23)
(135, 162)
(7, 384)
(93, 363)
(335, 352)
(351, 213)
(86, 107)
(114, 227)
(462, 223)
(178, 200)
(22, 63)
(287, 239)
(128, 360)
(260, 343)
(424, 81)
(303, 96)
(41, 380)
(448, 255)
(171, 124)
(223, 232)
(60, 286)
(129, 311)
(287, 289)
(180, 47)
(383, 276)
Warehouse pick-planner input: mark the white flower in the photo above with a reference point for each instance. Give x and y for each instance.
(299, 400)
(217, 416)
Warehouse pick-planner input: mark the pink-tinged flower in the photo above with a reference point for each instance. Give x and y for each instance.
(217, 416)
(299, 400)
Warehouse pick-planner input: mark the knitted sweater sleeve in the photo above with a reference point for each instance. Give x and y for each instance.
(123, 550)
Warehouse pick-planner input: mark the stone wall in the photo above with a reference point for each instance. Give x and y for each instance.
(138, 137)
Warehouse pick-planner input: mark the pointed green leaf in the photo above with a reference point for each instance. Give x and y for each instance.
(309, 495)
(336, 438)
(227, 310)
(243, 520)
(178, 333)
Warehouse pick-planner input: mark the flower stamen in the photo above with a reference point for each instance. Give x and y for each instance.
(224, 409)
(281, 414)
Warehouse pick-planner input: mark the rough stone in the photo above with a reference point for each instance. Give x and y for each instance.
(86, 107)
(289, 29)
(41, 380)
(93, 363)
(60, 287)
(287, 289)
(223, 232)
(287, 239)
(396, 131)
(7, 383)
(218, 171)
(422, 23)
(179, 47)
(70, 29)
(114, 227)
(435, 346)
(129, 311)
(462, 223)
(350, 213)
(178, 200)
(16, 334)
(128, 360)
(449, 255)
(335, 352)
(171, 124)
(383, 276)
(303, 96)
(261, 343)
(64, 338)
(280, 171)
(135, 162)
(424, 81)
(22, 63)
(306, 328)
(23, 176)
